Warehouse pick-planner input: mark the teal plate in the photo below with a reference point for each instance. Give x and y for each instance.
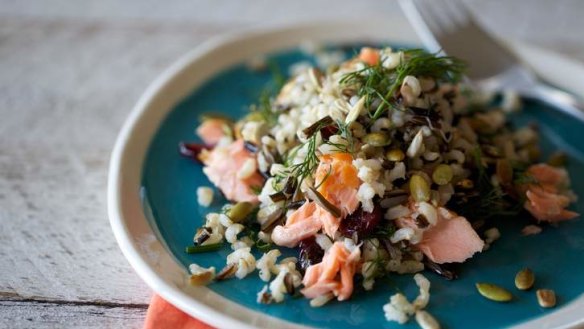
(556, 255)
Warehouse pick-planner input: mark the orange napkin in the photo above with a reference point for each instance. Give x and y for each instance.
(161, 315)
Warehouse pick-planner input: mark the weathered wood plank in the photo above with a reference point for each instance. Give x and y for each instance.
(35, 314)
(60, 110)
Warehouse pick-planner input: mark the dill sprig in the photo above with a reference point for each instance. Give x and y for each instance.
(347, 134)
(376, 82)
(264, 107)
(308, 165)
(418, 62)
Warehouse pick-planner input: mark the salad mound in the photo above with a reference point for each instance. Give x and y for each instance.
(383, 164)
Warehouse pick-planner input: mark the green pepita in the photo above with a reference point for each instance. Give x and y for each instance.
(524, 279)
(419, 188)
(377, 139)
(494, 292)
(240, 211)
(395, 155)
(442, 174)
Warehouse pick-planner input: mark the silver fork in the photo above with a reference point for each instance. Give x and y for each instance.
(447, 26)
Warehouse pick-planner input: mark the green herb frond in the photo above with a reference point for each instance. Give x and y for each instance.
(308, 165)
(420, 63)
(376, 82)
(264, 108)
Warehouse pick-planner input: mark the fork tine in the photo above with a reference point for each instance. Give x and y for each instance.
(443, 13)
(427, 26)
(452, 30)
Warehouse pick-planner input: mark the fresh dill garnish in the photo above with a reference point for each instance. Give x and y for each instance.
(376, 82)
(418, 62)
(372, 82)
(347, 134)
(278, 77)
(328, 173)
(308, 165)
(264, 108)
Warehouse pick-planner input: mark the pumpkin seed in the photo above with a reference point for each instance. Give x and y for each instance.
(419, 188)
(546, 298)
(377, 139)
(395, 155)
(442, 174)
(524, 279)
(240, 210)
(494, 292)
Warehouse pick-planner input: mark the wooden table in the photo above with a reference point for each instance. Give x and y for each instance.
(70, 71)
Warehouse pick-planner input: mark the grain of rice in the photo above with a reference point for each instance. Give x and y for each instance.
(398, 172)
(424, 296)
(511, 101)
(232, 231)
(204, 196)
(426, 321)
(397, 212)
(416, 146)
(429, 212)
(324, 241)
(398, 309)
(405, 233)
(244, 260)
(267, 264)
(531, 230)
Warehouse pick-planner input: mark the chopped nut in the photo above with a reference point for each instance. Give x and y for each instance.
(546, 298)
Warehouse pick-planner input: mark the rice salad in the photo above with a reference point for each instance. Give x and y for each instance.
(385, 163)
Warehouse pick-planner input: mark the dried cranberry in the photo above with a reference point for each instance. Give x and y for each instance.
(191, 150)
(361, 222)
(328, 131)
(310, 252)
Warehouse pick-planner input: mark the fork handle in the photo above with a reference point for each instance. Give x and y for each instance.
(558, 98)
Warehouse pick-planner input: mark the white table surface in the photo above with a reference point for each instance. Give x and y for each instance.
(70, 71)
